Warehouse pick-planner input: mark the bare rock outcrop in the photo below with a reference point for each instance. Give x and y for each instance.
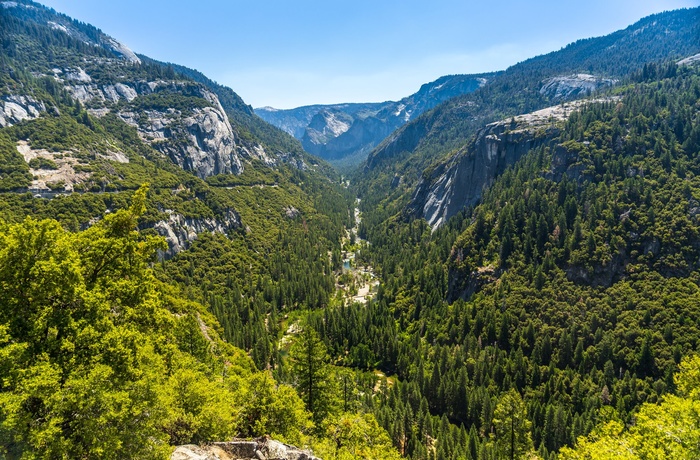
(690, 60)
(568, 86)
(460, 181)
(200, 139)
(16, 108)
(180, 231)
(257, 449)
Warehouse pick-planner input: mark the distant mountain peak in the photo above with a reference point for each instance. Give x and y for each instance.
(347, 132)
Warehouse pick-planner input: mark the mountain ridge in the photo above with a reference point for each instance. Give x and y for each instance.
(394, 167)
(364, 125)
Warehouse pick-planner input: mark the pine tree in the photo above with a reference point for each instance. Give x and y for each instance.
(512, 426)
(311, 373)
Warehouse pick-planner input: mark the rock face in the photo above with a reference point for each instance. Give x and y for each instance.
(690, 60)
(198, 139)
(565, 87)
(337, 132)
(16, 108)
(180, 231)
(459, 182)
(259, 449)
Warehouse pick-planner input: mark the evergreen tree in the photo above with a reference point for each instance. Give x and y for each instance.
(512, 426)
(311, 373)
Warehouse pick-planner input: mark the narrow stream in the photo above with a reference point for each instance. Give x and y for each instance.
(363, 276)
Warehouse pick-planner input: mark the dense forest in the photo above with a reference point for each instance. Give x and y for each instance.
(556, 319)
(109, 348)
(570, 292)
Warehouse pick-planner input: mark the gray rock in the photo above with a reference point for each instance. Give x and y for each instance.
(564, 87)
(238, 449)
(16, 108)
(180, 231)
(258, 449)
(86, 93)
(291, 212)
(191, 452)
(77, 74)
(690, 60)
(460, 182)
(119, 91)
(121, 49)
(463, 286)
(203, 142)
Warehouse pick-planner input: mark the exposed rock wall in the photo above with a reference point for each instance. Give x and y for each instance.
(180, 231)
(200, 140)
(569, 86)
(16, 108)
(460, 181)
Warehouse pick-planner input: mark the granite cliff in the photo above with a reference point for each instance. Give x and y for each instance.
(459, 181)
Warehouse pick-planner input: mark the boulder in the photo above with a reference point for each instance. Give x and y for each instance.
(238, 449)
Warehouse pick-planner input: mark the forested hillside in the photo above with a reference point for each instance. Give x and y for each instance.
(395, 166)
(174, 270)
(135, 319)
(569, 294)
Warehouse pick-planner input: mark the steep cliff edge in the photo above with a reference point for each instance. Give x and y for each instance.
(459, 181)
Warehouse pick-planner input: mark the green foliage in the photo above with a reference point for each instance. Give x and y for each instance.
(356, 436)
(668, 429)
(576, 287)
(42, 163)
(105, 351)
(98, 359)
(14, 171)
(512, 427)
(310, 371)
(164, 100)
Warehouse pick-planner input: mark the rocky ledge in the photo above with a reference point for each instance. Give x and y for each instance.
(180, 231)
(256, 449)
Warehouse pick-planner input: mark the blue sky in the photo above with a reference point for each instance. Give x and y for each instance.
(286, 53)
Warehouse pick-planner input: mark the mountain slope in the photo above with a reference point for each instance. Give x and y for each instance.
(567, 294)
(557, 280)
(395, 166)
(200, 125)
(345, 133)
(83, 126)
(134, 320)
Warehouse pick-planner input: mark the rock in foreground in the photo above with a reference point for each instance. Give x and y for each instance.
(257, 449)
